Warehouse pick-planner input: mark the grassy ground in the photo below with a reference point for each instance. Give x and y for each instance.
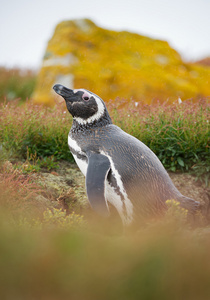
(53, 247)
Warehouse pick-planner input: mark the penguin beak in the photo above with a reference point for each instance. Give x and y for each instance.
(63, 91)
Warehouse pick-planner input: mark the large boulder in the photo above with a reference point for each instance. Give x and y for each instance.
(116, 64)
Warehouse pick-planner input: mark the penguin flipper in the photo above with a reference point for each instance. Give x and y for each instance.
(98, 168)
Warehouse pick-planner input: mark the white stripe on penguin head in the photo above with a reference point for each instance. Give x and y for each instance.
(99, 112)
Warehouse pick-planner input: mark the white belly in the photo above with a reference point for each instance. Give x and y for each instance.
(115, 199)
(81, 164)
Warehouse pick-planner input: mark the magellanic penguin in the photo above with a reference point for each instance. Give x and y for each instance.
(119, 169)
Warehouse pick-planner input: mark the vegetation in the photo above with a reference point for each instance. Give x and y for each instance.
(54, 255)
(48, 254)
(16, 84)
(156, 263)
(34, 132)
(177, 133)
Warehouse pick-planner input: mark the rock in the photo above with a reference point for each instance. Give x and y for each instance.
(116, 64)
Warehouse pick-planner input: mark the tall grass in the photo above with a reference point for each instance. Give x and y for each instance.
(16, 83)
(32, 129)
(177, 133)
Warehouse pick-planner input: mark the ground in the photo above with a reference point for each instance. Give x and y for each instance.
(190, 187)
(66, 185)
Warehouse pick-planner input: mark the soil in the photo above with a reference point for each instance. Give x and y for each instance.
(66, 187)
(190, 187)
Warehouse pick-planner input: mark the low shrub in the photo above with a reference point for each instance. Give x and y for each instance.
(19, 198)
(158, 262)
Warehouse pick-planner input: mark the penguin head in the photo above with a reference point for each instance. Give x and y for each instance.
(84, 106)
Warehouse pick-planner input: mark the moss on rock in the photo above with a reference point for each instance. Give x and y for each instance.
(117, 64)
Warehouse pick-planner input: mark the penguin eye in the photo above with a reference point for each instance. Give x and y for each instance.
(86, 98)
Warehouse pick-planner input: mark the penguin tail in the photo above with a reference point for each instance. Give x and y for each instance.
(190, 204)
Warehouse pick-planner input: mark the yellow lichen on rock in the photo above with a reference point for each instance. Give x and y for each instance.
(116, 64)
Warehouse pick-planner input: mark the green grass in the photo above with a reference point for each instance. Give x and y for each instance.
(31, 130)
(178, 134)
